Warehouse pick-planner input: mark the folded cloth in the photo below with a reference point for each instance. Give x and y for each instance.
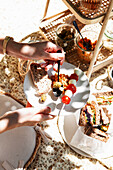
(45, 136)
(7, 166)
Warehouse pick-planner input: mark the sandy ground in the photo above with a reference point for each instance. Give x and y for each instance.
(19, 18)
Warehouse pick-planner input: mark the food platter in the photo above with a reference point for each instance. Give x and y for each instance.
(77, 101)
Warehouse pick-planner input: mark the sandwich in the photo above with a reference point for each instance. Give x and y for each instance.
(89, 114)
(96, 133)
(95, 116)
(40, 78)
(104, 98)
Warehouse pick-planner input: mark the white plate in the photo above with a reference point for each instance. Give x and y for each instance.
(68, 125)
(77, 101)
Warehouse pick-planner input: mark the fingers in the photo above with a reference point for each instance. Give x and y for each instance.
(52, 52)
(56, 56)
(42, 117)
(48, 67)
(49, 64)
(45, 110)
(51, 47)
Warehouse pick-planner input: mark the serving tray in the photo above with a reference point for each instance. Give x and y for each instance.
(88, 16)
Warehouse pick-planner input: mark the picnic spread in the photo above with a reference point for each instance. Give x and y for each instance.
(68, 142)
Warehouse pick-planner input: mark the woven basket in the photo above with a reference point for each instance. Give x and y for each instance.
(87, 16)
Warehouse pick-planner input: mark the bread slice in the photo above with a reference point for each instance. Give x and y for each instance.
(40, 78)
(83, 118)
(104, 117)
(95, 113)
(37, 72)
(104, 100)
(96, 133)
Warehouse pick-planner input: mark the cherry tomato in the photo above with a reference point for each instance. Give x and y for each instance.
(74, 76)
(28, 104)
(66, 99)
(72, 87)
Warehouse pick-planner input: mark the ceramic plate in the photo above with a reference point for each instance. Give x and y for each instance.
(77, 101)
(68, 126)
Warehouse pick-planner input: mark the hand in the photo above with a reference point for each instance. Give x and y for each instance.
(48, 52)
(24, 117)
(33, 115)
(37, 51)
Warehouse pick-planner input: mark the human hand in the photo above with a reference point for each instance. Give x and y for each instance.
(33, 115)
(49, 53)
(24, 117)
(44, 50)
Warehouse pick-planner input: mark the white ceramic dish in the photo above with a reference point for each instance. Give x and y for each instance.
(68, 126)
(77, 101)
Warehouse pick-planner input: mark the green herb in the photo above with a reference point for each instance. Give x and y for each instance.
(86, 118)
(94, 119)
(99, 102)
(110, 97)
(108, 102)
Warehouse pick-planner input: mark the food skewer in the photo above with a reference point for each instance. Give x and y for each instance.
(58, 69)
(58, 87)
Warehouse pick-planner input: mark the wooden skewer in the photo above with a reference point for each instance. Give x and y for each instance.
(55, 15)
(99, 40)
(46, 8)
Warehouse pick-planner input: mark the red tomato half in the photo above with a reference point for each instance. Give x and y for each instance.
(72, 87)
(28, 104)
(74, 76)
(66, 99)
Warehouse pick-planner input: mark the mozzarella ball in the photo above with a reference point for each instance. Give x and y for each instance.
(78, 71)
(68, 93)
(72, 81)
